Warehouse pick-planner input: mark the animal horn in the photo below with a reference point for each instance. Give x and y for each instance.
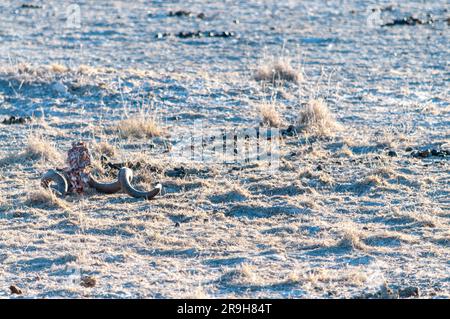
(107, 188)
(53, 176)
(125, 177)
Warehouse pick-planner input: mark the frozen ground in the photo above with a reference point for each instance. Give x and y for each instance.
(340, 218)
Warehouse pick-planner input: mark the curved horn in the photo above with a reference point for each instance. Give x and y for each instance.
(62, 186)
(125, 177)
(107, 188)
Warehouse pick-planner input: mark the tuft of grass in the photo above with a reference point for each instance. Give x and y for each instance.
(270, 115)
(58, 68)
(37, 148)
(351, 239)
(243, 275)
(104, 148)
(139, 127)
(44, 198)
(316, 118)
(40, 148)
(277, 70)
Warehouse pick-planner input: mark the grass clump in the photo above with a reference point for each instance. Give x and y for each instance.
(139, 127)
(278, 70)
(316, 118)
(270, 115)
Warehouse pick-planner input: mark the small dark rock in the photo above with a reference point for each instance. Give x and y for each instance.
(408, 21)
(387, 8)
(424, 153)
(408, 149)
(15, 290)
(290, 131)
(177, 224)
(88, 282)
(431, 152)
(16, 120)
(201, 15)
(198, 34)
(107, 164)
(178, 172)
(180, 13)
(408, 292)
(392, 153)
(30, 6)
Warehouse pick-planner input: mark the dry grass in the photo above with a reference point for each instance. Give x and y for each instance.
(104, 148)
(351, 237)
(279, 69)
(315, 278)
(316, 118)
(244, 274)
(58, 68)
(44, 198)
(37, 148)
(270, 115)
(40, 148)
(139, 127)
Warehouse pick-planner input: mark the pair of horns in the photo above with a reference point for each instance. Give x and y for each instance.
(58, 182)
(124, 183)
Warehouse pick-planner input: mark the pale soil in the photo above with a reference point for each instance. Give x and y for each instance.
(340, 218)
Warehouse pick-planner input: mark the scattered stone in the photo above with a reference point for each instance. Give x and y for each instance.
(180, 13)
(160, 35)
(387, 8)
(178, 172)
(290, 131)
(408, 292)
(30, 6)
(88, 282)
(16, 120)
(197, 34)
(431, 152)
(408, 21)
(106, 163)
(15, 290)
(409, 149)
(184, 13)
(177, 224)
(392, 153)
